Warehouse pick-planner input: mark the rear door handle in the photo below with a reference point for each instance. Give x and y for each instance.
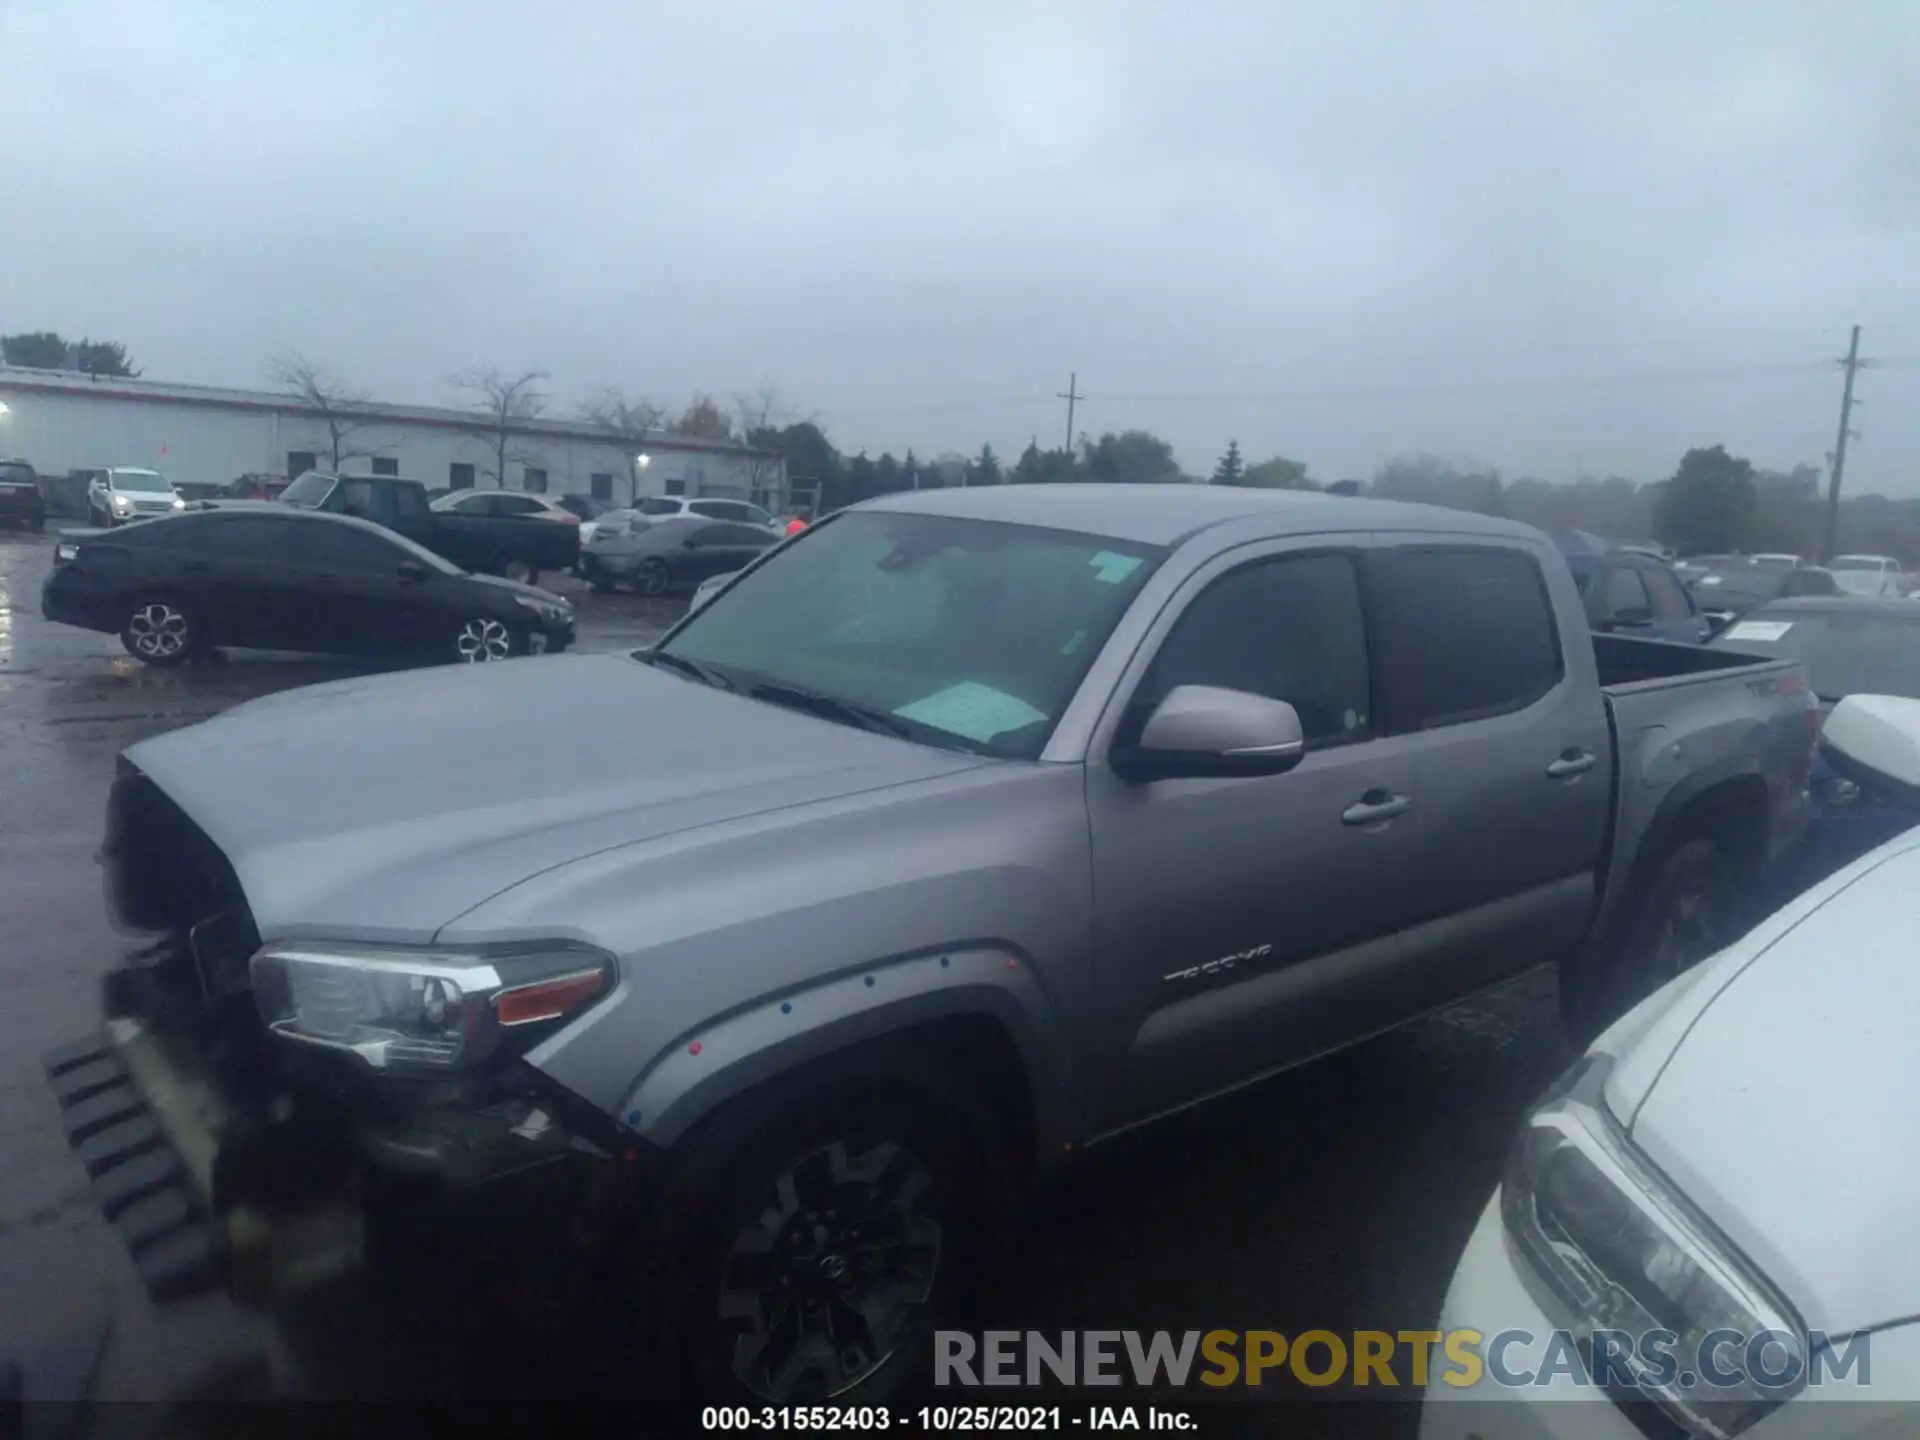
(1573, 762)
(1374, 807)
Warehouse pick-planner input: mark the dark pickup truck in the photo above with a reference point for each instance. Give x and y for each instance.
(510, 545)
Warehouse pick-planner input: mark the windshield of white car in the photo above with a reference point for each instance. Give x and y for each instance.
(968, 634)
(145, 482)
(1846, 652)
(309, 492)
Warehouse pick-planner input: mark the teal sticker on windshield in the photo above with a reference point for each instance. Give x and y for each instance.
(972, 711)
(1111, 569)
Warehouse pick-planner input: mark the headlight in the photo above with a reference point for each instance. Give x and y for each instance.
(1622, 1251)
(66, 550)
(425, 1010)
(120, 502)
(178, 503)
(546, 609)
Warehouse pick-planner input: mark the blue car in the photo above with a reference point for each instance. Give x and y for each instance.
(1850, 646)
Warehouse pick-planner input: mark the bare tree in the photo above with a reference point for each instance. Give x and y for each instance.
(633, 421)
(336, 403)
(503, 403)
(761, 416)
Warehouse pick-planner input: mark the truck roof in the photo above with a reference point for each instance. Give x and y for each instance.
(1170, 513)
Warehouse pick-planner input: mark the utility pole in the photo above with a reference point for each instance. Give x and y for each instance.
(1072, 394)
(1852, 365)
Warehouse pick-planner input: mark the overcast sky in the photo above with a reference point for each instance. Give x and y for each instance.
(1550, 237)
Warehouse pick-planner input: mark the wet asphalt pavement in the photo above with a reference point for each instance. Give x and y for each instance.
(1337, 1197)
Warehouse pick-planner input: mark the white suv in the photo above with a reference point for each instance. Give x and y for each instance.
(118, 495)
(1879, 575)
(667, 507)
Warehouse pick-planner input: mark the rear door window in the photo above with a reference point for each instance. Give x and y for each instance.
(1627, 594)
(1669, 600)
(1462, 634)
(322, 546)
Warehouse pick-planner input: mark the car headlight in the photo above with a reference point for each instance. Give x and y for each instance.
(121, 502)
(178, 503)
(1621, 1250)
(546, 609)
(66, 550)
(425, 1010)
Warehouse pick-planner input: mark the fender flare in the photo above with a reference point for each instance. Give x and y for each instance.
(1672, 818)
(704, 1068)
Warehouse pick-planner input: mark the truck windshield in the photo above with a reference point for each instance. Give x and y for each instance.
(968, 634)
(309, 492)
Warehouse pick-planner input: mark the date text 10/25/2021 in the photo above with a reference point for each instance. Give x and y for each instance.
(928, 1419)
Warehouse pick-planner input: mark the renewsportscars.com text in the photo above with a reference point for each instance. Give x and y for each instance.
(1386, 1359)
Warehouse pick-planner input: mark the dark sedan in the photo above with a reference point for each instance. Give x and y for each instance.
(673, 554)
(1850, 646)
(1724, 595)
(265, 576)
(21, 502)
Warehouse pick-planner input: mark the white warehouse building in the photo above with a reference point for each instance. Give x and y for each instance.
(61, 422)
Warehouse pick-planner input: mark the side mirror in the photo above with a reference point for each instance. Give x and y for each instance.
(1202, 730)
(412, 572)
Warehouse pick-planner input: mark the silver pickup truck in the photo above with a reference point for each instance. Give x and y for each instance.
(960, 832)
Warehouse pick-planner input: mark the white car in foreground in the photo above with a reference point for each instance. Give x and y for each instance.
(1714, 1210)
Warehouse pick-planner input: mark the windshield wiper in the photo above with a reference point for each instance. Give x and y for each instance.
(706, 674)
(830, 707)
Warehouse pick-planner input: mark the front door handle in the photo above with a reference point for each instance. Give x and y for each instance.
(1571, 763)
(1375, 807)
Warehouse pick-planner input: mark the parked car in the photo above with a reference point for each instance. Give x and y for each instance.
(1694, 566)
(1723, 596)
(665, 555)
(515, 546)
(975, 826)
(1706, 1199)
(670, 507)
(1849, 646)
(514, 503)
(119, 494)
(583, 507)
(254, 487)
(1879, 575)
(269, 577)
(1633, 592)
(21, 503)
(1778, 560)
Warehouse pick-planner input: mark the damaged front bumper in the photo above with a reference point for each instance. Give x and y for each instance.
(307, 1183)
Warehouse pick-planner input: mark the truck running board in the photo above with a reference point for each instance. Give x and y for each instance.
(139, 1180)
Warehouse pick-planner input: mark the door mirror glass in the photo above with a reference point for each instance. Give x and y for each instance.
(1203, 730)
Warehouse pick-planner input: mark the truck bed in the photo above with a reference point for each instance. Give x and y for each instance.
(1684, 717)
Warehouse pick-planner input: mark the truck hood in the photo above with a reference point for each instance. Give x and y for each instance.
(384, 808)
(1776, 1087)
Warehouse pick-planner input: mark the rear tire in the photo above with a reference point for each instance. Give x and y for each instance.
(651, 578)
(159, 631)
(482, 640)
(873, 1208)
(1690, 910)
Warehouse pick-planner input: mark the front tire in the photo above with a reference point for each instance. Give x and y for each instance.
(810, 1256)
(1689, 911)
(651, 578)
(483, 639)
(159, 631)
